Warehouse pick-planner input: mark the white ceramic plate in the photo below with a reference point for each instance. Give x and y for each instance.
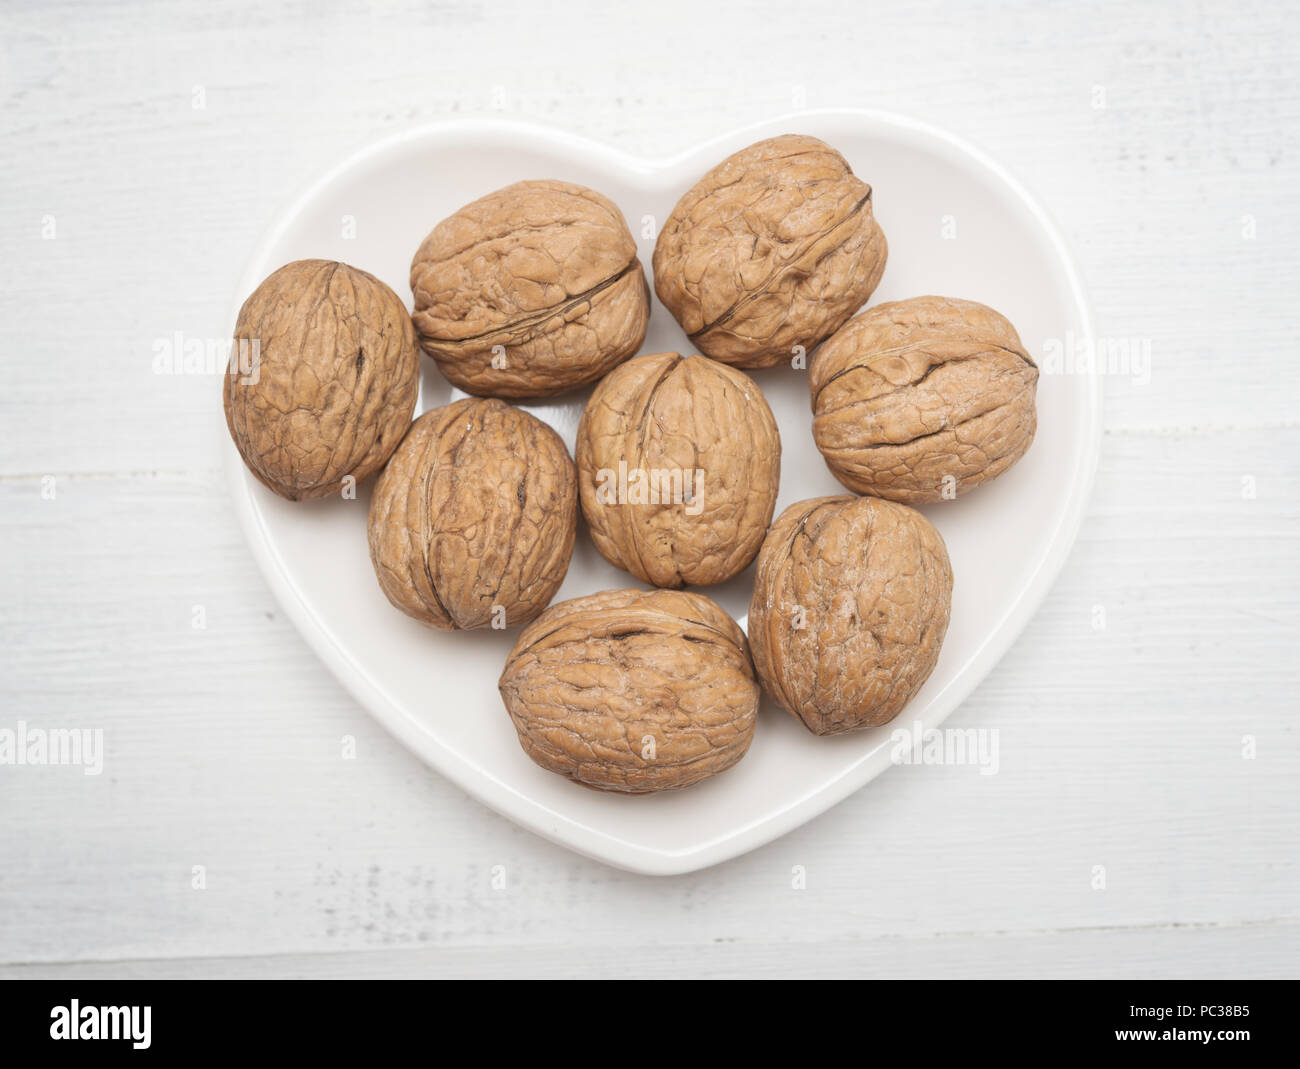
(437, 692)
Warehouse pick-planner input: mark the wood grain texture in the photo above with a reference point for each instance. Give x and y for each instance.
(1266, 950)
(1121, 745)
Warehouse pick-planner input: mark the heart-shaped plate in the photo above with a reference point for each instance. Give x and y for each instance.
(958, 225)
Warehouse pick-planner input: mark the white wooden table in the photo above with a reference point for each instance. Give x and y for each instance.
(146, 149)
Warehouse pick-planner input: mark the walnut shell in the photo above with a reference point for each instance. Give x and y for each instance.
(678, 465)
(633, 690)
(473, 520)
(325, 380)
(923, 399)
(532, 290)
(773, 248)
(851, 602)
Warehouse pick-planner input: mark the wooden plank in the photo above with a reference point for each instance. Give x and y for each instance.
(1261, 951)
(1119, 747)
(1200, 131)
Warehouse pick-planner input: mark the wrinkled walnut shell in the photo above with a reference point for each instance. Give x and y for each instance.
(530, 291)
(473, 520)
(851, 603)
(773, 248)
(678, 465)
(632, 691)
(323, 378)
(923, 399)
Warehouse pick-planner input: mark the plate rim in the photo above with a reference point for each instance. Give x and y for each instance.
(479, 782)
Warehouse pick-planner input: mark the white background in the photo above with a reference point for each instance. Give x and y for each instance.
(1163, 138)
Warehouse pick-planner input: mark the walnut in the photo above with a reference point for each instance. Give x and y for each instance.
(678, 465)
(923, 399)
(850, 606)
(473, 520)
(322, 380)
(532, 290)
(772, 249)
(633, 690)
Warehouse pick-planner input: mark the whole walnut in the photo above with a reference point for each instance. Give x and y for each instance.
(632, 690)
(473, 520)
(532, 290)
(678, 465)
(923, 399)
(322, 380)
(850, 606)
(772, 249)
